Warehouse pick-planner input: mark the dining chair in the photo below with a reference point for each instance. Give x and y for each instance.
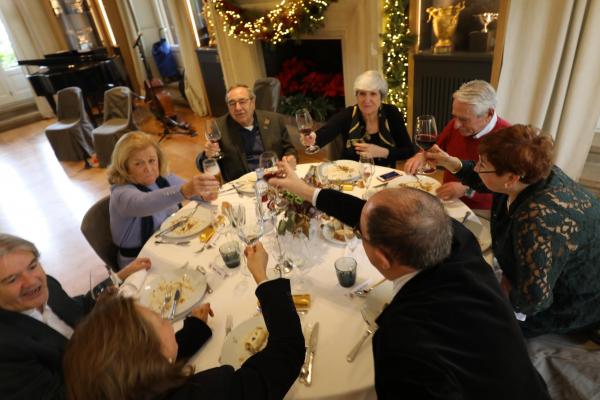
(71, 136)
(118, 120)
(95, 227)
(267, 92)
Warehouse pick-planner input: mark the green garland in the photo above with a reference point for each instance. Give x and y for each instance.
(289, 18)
(397, 41)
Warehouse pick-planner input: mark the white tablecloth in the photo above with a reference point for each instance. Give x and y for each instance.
(339, 316)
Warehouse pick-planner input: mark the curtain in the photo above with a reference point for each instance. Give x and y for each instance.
(194, 84)
(550, 73)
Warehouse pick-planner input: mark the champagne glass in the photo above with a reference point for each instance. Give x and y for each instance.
(305, 126)
(366, 167)
(211, 167)
(249, 230)
(425, 137)
(213, 134)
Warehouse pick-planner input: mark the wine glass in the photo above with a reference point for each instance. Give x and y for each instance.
(425, 137)
(211, 167)
(305, 126)
(268, 162)
(366, 167)
(249, 230)
(213, 134)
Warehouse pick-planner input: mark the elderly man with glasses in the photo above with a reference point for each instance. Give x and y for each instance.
(245, 134)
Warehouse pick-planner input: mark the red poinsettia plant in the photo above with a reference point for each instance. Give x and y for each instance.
(303, 87)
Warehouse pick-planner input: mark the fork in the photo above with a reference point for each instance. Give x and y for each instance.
(201, 269)
(166, 301)
(419, 181)
(366, 291)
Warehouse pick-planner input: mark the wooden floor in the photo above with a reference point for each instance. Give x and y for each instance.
(43, 200)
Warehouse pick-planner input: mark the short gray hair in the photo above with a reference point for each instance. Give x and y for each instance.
(411, 227)
(372, 81)
(479, 94)
(239, 85)
(10, 243)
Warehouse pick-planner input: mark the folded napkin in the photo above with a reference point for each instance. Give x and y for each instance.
(133, 284)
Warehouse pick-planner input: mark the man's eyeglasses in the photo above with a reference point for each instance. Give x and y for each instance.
(241, 102)
(356, 232)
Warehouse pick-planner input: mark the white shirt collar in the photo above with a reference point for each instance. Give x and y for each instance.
(48, 317)
(399, 283)
(488, 128)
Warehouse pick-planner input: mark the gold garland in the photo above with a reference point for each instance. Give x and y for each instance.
(276, 25)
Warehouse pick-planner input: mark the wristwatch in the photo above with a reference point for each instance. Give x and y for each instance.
(470, 193)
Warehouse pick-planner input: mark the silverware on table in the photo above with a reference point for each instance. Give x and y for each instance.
(176, 298)
(365, 292)
(201, 269)
(179, 223)
(306, 371)
(419, 181)
(370, 329)
(182, 243)
(166, 301)
(228, 324)
(466, 217)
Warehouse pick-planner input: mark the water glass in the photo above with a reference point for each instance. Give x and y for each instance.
(345, 269)
(230, 252)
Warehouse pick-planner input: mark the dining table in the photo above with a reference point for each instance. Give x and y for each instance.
(337, 311)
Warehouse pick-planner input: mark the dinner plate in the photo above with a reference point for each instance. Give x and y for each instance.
(425, 183)
(327, 232)
(245, 183)
(192, 285)
(481, 232)
(201, 218)
(340, 171)
(234, 351)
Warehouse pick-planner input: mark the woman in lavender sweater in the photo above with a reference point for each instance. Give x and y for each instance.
(144, 194)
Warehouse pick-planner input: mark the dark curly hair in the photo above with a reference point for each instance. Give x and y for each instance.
(521, 150)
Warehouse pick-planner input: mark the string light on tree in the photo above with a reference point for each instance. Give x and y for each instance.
(288, 18)
(396, 42)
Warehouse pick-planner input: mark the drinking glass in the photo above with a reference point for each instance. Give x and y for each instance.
(211, 167)
(249, 229)
(305, 126)
(213, 134)
(366, 167)
(425, 137)
(268, 162)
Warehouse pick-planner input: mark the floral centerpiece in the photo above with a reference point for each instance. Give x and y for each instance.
(303, 87)
(297, 214)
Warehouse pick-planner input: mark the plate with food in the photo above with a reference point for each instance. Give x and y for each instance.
(339, 171)
(194, 221)
(425, 183)
(162, 286)
(245, 340)
(336, 232)
(245, 183)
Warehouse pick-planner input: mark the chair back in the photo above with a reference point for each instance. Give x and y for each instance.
(70, 104)
(95, 227)
(118, 103)
(267, 91)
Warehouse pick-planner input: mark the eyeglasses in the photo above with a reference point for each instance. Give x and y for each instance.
(241, 102)
(477, 169)
(356, 232)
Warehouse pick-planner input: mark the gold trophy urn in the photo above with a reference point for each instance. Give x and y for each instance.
(482, 41)
(445, 20)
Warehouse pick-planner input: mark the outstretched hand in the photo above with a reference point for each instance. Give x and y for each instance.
(291, 182)
(202, 312)
(256, 259)
(134, 266)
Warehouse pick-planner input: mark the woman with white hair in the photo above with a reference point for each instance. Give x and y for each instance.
(369, 127)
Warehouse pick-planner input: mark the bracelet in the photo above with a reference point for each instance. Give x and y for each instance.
(456, 170)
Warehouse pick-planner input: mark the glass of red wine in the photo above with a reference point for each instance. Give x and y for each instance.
(305, 126)
(425, 137)
(268, 162)
(213, 135)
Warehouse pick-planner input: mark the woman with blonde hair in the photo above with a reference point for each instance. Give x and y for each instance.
(133, 359)
(144, 194)
(369, 127)
(545, 229)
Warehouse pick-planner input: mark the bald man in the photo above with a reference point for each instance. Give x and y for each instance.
(448, 332)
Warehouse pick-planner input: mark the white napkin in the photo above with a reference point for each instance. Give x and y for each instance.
(133, 284)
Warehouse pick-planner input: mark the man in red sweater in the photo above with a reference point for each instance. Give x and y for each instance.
(474, 116)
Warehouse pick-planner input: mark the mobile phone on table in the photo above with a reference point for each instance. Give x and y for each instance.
(388, 176)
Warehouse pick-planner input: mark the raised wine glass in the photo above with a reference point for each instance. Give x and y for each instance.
(211, 167)
(305, 126)
(425, 137)
(268, 162)
(366, 167)
(213, 134)
(249, 229)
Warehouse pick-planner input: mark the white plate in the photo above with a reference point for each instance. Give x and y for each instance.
(327, 232)
(197, 222)
(340, 170)
(234, 352)
(245, 183)
(156, 286)
(428, 183)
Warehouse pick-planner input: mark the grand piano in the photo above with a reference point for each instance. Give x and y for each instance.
(93, 72)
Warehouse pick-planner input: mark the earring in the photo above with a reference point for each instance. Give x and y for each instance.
(170, 360)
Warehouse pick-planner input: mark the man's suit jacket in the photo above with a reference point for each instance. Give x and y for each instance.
(273, 133)
(266, 375)
(31, 352)
(450, 332)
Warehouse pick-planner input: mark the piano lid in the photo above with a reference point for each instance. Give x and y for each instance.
(65, 58)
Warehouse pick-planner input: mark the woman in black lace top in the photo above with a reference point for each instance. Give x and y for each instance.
(545, 229)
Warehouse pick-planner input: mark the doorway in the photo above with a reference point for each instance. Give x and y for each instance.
(14, 87)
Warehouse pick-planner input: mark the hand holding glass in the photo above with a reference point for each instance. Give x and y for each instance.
(425, 137)
(305, 126)
(213, 134)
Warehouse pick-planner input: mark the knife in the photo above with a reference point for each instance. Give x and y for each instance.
(310, 355)
(171, 228)
(175, 301)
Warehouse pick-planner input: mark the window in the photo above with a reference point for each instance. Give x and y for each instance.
(167, 21)
(7, 55)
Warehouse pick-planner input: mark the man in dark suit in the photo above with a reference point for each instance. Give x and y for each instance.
(448, 332)
(245, 134)
(36, 321)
